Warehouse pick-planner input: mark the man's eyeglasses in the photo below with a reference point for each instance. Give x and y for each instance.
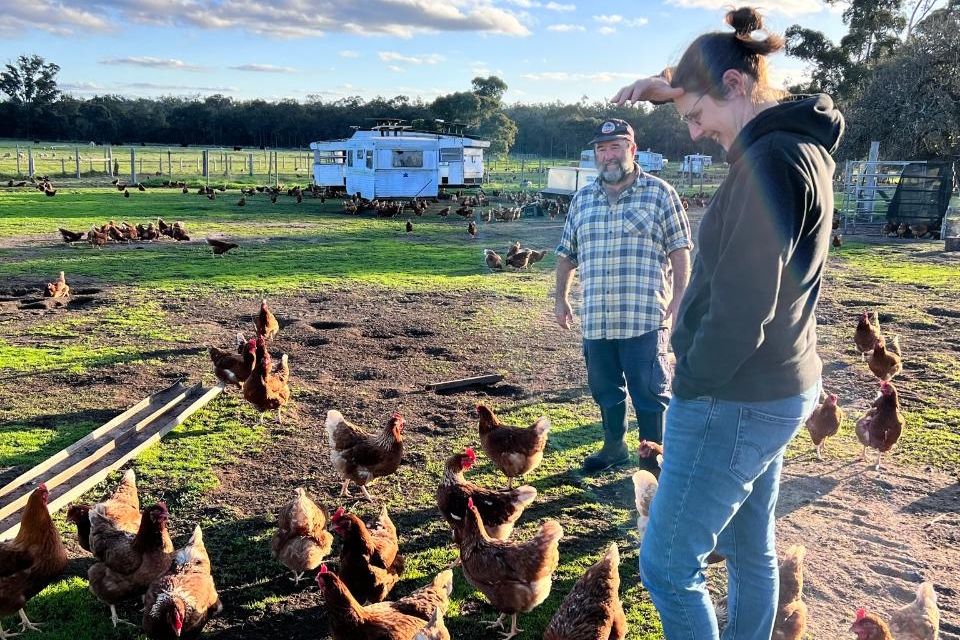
(687, 118)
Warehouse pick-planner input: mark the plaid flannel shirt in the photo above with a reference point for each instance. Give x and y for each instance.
(621, 251)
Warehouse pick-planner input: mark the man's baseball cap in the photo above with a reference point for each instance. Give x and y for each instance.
(611, 130)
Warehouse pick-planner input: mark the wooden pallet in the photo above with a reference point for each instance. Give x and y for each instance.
(74, 470)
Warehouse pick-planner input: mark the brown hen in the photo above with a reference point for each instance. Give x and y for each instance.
(881, 426)
(302, 540)
(824, 421)
(128, 563)
(266, 323)
(30, 561)
(370, 558)
(499, 510)
(267, 388)
(513, 450)
(515, 577)
(867, 333)
(592, 610)
(919, 620)
(886, 363)
(361, 457)
(179, 603)
(398, 620)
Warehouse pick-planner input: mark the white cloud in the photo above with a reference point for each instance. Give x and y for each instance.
(153, 63)
(82, 87)
(154, 86)
(525, 4)
(265, 68)
(277, 19)
(566, 27)
(425, 58)
(784, 77)
(395, 68)
(606, 30)
(566, 76)
(346, 53)
(789, 8)
(51, 17)
(611, 19)
(619, 21)
(556, 6)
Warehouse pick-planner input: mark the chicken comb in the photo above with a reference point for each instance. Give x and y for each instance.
(42, 485)
(470, 453)
(861, 613)
(469, 503)
(323, 569)
(339, 513)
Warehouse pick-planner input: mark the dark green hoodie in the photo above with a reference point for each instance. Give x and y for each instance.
(746, 329)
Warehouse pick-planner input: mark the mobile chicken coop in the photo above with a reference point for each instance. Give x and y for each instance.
(393, 160)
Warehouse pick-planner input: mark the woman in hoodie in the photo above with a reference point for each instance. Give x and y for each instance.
(747, 372)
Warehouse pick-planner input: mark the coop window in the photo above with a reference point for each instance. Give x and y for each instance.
(369, 159)
(330, 157)
(408, 158)
(451, 154)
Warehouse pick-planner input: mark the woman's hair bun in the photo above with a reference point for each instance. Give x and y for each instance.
(744, 21)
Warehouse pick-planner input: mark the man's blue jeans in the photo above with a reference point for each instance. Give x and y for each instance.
(718, 490)
(638, 365)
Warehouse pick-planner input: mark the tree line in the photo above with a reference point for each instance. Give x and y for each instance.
(896, 76)
(547, 130)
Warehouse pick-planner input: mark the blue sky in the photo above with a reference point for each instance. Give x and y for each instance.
(302, 49)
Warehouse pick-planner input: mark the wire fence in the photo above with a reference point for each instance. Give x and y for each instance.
(18, 161)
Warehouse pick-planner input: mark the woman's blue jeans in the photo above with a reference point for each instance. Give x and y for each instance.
(718, 490)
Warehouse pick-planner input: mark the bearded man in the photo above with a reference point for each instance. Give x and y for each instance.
(628, 237)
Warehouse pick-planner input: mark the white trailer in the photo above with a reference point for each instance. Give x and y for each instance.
(563, 182)
(391, 160)
(695, 164)
(329, 164)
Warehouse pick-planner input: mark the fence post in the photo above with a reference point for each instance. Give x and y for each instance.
(30, 167)
(18, 161)
(170, 164)
(63, 167)
(206, 166)
(133, 166)
(250, 164)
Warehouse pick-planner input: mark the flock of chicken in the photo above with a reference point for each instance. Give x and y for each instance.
(517, 257)
(135, 555)
(882, 424)
(126, 232)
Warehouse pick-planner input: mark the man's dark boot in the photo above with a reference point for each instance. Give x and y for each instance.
(650, 425)
(614, 451)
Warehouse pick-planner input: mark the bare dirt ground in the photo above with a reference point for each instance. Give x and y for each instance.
(870, 537)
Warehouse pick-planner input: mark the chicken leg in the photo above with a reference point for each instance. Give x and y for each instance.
(26, 624)
(114, 618)
(514, 629)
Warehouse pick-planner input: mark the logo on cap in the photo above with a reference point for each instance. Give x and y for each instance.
(608, 127)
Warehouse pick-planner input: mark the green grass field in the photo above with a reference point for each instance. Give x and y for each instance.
(289, 249)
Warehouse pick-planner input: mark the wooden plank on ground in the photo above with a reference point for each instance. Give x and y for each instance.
(491, 378)
(86, 465)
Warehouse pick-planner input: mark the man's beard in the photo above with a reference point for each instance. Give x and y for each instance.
(613, 174)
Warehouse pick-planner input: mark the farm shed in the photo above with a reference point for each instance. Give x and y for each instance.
(392, 160)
